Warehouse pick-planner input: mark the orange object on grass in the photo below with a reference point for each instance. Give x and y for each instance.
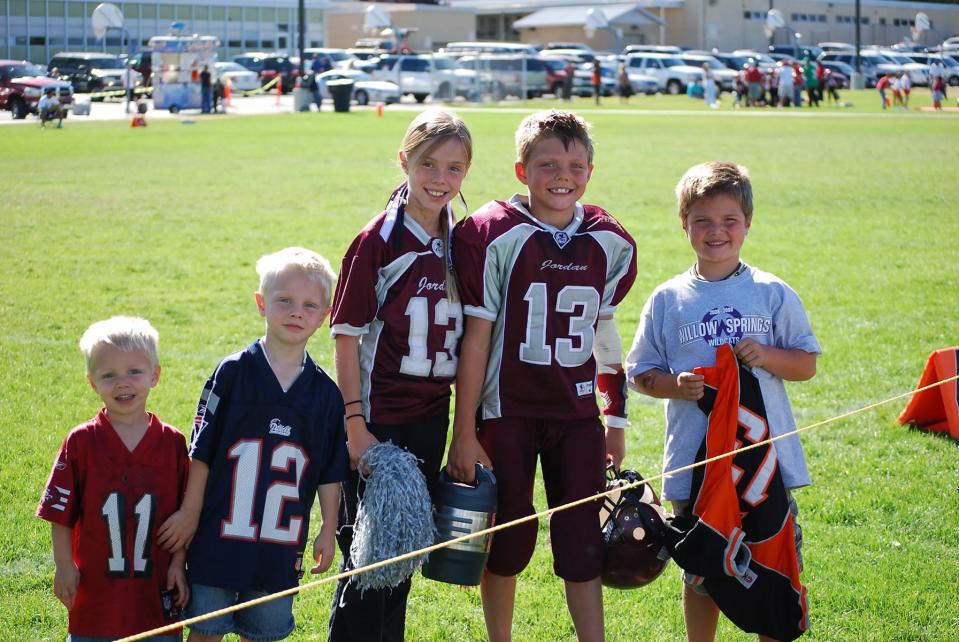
(936, 409)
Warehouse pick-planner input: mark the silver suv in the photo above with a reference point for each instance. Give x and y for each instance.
(670, 72)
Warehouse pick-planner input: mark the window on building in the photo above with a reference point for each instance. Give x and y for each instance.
(218, 13)
(18, 8)
(183, 12)
(201, 12)
(165, 12)
(38, 8)
(267, 44)
(314, 15)
(148, 12)
(55, 8)
(236, 14)
(233, 44)
(38, 40)
(250, 44)
(822, 17)
(267, 14)
(250, 14)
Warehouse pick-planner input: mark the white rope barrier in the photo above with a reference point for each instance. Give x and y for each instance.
(493, 529)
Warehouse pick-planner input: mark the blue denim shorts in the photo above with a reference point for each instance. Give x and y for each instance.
(265, 622)
(152, 638)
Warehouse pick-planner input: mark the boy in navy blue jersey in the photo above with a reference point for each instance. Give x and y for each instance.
(268, 435)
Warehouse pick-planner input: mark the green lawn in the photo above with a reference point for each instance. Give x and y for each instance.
(857, 213)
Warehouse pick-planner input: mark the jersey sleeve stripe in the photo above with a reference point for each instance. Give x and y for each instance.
(481, 312)
(349, 330)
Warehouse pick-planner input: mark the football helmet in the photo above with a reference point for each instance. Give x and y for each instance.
(633, 524)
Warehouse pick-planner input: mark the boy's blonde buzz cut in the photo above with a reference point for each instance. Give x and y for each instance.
(712, 179)
(123, 333)
(555, 123)
(314, 266)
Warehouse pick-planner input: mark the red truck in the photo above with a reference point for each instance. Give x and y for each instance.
(22, 84)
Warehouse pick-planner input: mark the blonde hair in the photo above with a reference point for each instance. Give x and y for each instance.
(429, 130)
(712, 179)
(123, 333)
(271, 266)
(555, 123)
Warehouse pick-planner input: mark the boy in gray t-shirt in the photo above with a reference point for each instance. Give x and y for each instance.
(719, 300)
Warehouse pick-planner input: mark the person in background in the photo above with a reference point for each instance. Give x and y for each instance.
(50, 108)
(625, 87)
(597, 80)
(206, 90)
(129, 84)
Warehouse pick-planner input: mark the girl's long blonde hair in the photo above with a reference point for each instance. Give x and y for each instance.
(428, 131)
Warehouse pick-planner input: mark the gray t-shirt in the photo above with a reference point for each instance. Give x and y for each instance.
(683, 322)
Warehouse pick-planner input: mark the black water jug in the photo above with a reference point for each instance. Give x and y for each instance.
(462, 509)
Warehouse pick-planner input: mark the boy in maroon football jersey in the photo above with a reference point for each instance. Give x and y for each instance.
(540, 276)
(115, 479)
(397, 321)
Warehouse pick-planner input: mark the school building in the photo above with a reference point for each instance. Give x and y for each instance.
(37, 29)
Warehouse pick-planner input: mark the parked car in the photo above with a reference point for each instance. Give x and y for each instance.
(22, 84)
(555, 74)
(578, 55)
(567, 45)
(950, 63)
(335, 58)
(509, 75)
(422, 76)
(725, 77)
(608, 76)
(268, 66)
(918, 72)
(841, 72)
(795, 51)
(670, 71)
(766, 64)
(872, 66)
(241, 78)
(478, 47)
(666, 49)
(366, 90)
(833, 47)
(90, 72)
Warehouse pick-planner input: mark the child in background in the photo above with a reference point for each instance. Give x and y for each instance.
(397, 322)
(540, 277)
(115, 479)
(267, 438)
(720, 300)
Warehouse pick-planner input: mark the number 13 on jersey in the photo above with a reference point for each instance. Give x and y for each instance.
(573, 349)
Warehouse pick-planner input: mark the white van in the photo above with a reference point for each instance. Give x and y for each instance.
(470, 47)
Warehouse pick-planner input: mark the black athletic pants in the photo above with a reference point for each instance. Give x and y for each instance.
(380, 615)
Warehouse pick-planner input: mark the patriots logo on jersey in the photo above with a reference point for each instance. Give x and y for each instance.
(437, 247)
(278, 428)
(561, 238)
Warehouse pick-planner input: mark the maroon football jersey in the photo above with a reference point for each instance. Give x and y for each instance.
(115, 500)
(393, 296)
(543, 288)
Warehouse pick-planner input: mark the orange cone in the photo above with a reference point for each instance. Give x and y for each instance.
(936, 409)
(279, 88)
(379, 109)
(226, 92)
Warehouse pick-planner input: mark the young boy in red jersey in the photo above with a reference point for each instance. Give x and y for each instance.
(540, 276)
(115, 479)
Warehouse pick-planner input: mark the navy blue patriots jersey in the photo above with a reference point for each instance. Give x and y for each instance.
(268, 451)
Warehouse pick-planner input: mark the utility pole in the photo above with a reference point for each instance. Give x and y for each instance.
(301, 31)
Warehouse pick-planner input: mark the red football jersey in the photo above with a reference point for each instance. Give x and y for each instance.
(393, 296)
(115, 500)
(544, 289)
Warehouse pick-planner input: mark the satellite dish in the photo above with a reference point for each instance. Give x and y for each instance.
(106, 16)
(775, 19)
(595, 20)
(922, 22)
(376, 19)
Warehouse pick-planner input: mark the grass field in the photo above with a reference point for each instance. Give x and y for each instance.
(857, 213)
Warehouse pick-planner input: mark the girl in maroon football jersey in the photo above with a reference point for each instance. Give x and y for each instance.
(397, 323)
